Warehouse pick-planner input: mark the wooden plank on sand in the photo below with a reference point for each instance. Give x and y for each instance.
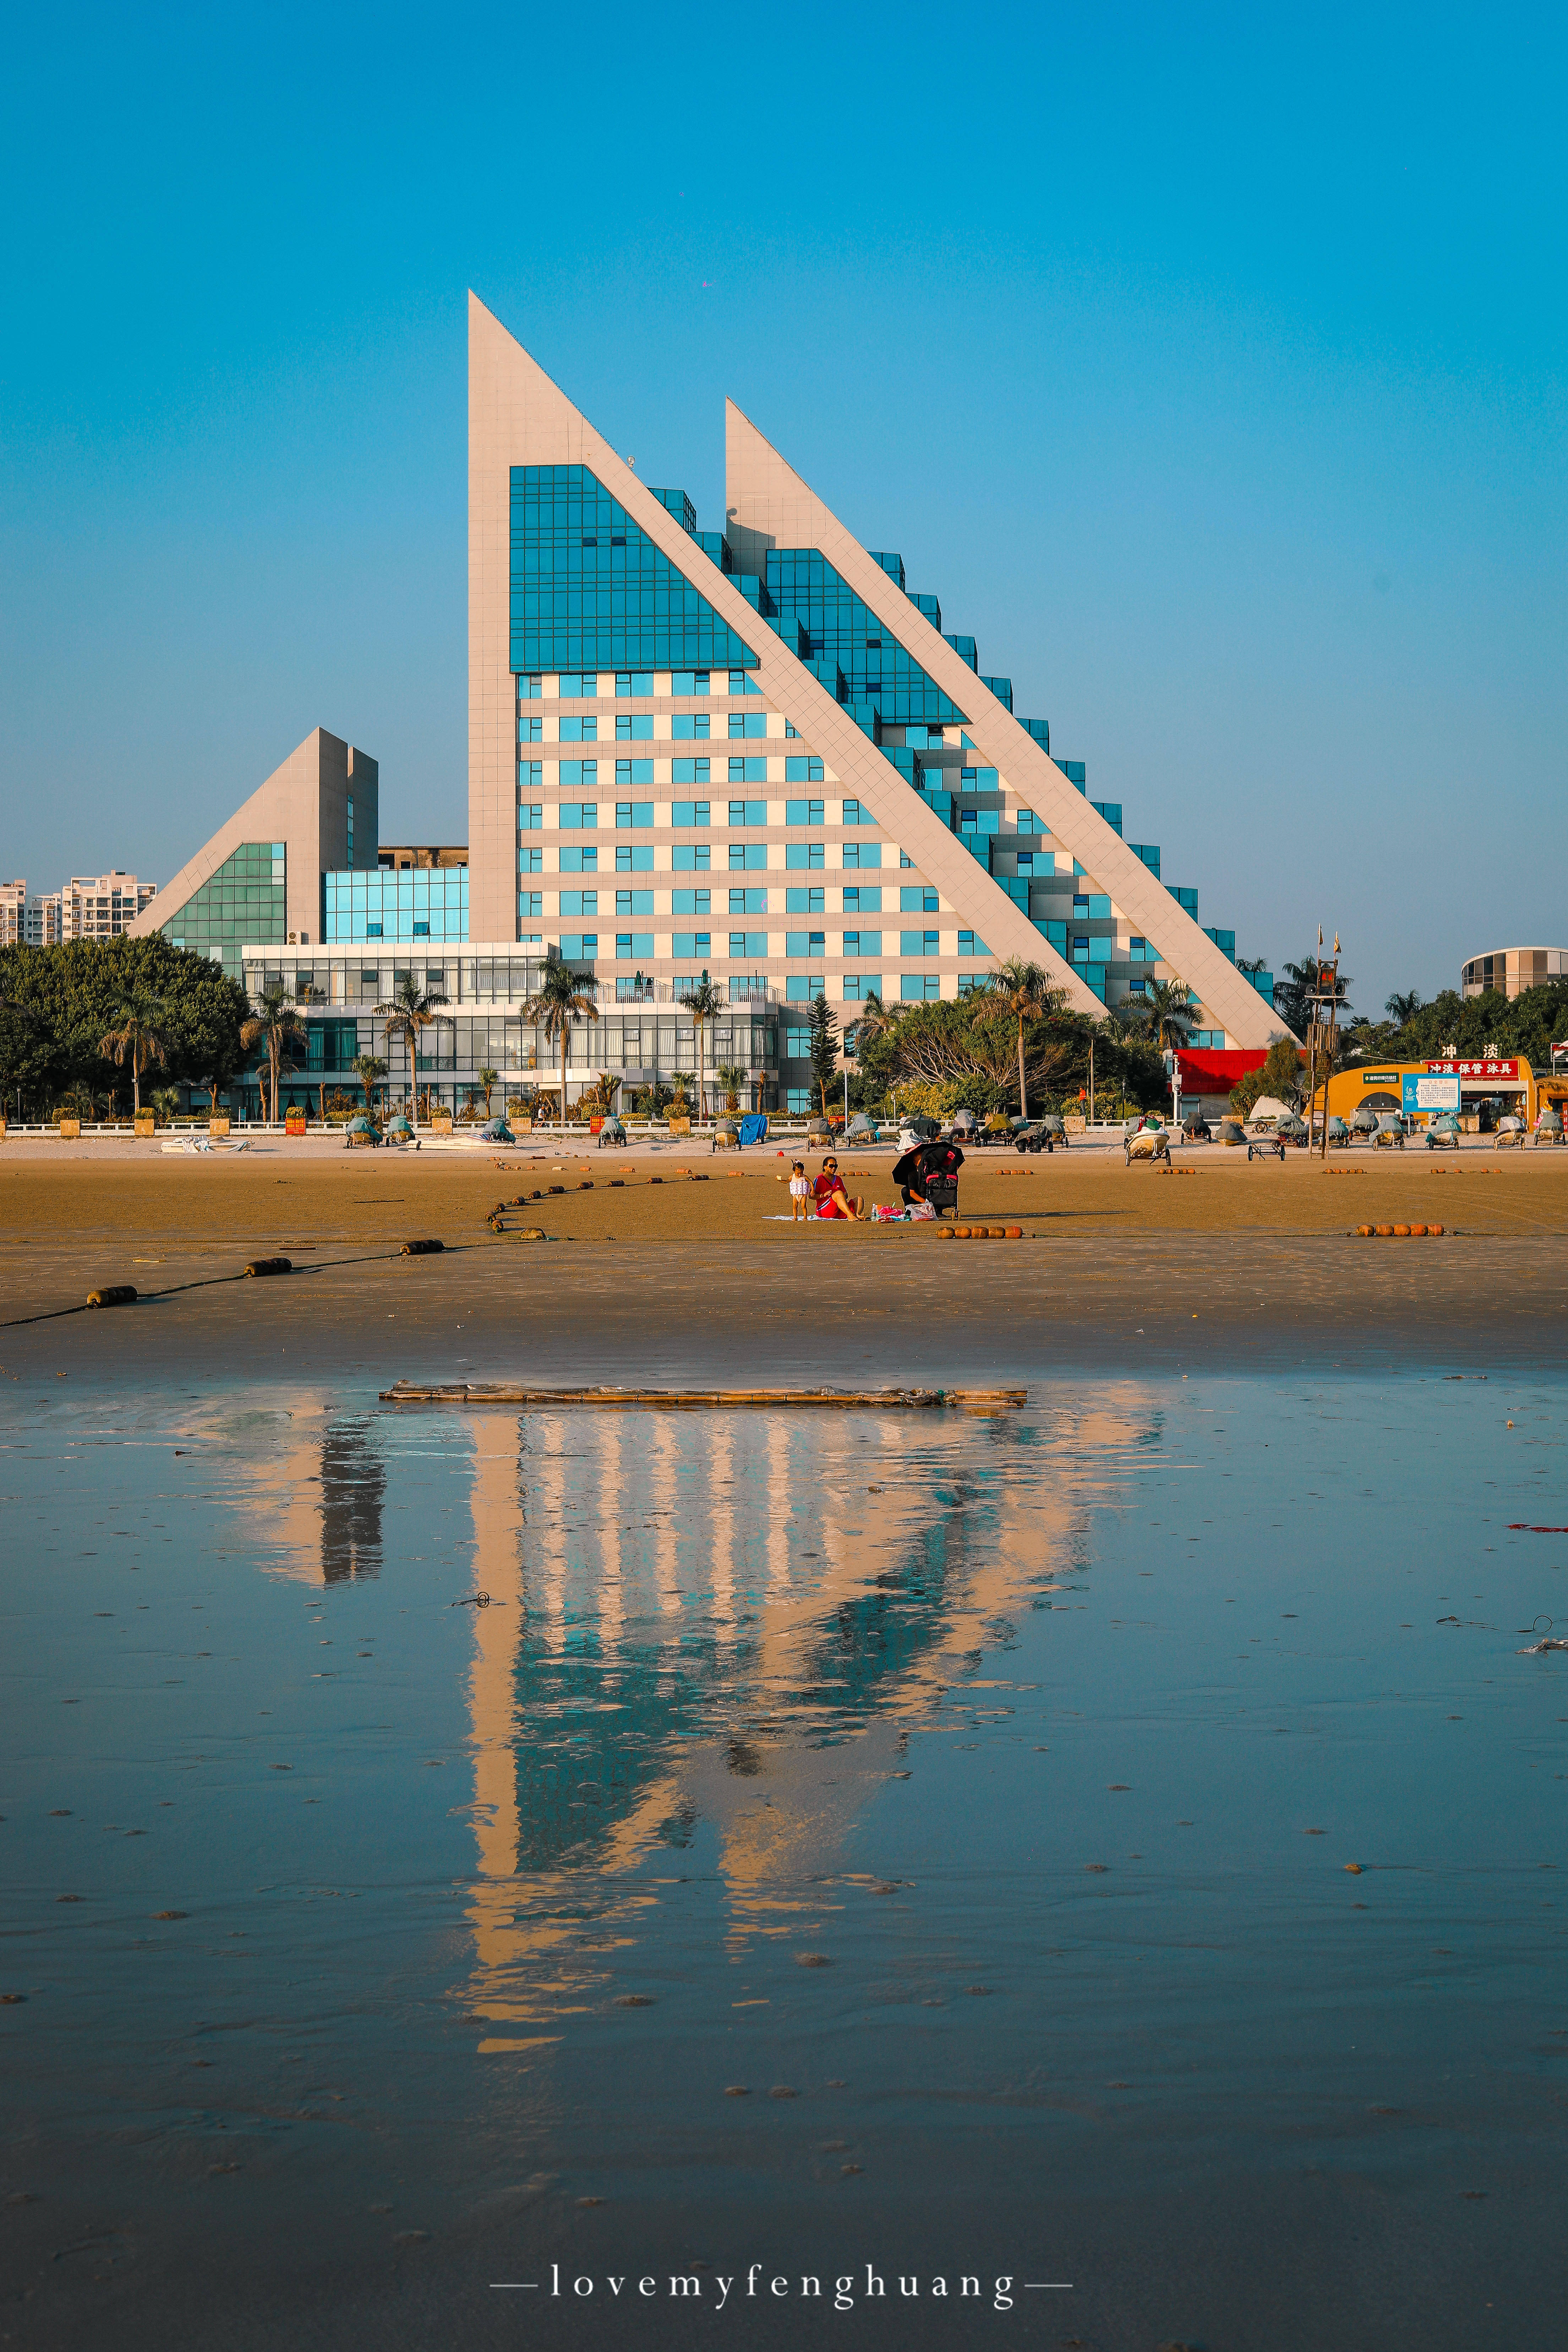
(467, 1393)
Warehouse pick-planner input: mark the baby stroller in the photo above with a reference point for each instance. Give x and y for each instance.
(929, 1172)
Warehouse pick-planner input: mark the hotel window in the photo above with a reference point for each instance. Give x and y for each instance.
(634, 858)
(580, 730)
(529, 689)
(631, 814)
(634, 771)
(862, 853)
(531, 730)
(740, 683)
(968, 945)
(917, 988)
(577, 815)
(752, 856)
(748, 811)
(748, 947)
(692, 944)
(855, 814)
(531, 818)
(579, 947)
(572, 687)
(862, 900)
(689, 772)
(580, 861)
(531, 905)
(748, 902)
(917, 898)
(862, 943)
(630, 904)
(630, 944)
(797, 1045)
(691, 902)
(805, 944)
(632, 727)
(799, 771)
(579, 902)
(688, 813)
(748, 772)
(689, 727)
(857, 984)
(904, 857)
(688, 681)
(807, 854)
(531, 861)
(578, 772)
(691, 856)
(802, 812)
(919, 943)
(634, 682)
(803, 987)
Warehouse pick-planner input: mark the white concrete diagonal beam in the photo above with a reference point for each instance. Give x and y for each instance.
(767, 505)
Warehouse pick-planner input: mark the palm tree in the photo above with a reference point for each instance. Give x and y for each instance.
(1402, 1009)
(214, 1085)
(274, 1023)
(732, 1076)
(1026, 992)
(407, 1013)
(703, 1002)
(370, 1069)
(133, 1039)
(488, 1079)
(560, 1000)
(1170, 1009)
(165, 1104)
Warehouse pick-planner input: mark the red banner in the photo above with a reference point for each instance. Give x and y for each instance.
(1214, 1070)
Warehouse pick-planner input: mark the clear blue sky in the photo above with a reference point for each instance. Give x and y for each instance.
(1208, 364)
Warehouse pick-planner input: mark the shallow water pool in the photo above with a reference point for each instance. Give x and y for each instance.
(1091, 1871)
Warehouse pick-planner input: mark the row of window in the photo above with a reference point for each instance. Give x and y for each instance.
(634, 684)
(630, 904)
(638, 727)
(694, 858)
(636, 816)
(745, 770)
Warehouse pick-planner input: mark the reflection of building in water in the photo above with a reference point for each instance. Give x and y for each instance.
(734, 1621)
(740, 1620)
(322, 1493)
(354, 1491)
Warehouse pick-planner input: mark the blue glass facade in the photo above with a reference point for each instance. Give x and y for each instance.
(589, 591)
(412, 903)
(608, 632)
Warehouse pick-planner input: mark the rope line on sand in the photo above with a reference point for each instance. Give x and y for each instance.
(213, 1281)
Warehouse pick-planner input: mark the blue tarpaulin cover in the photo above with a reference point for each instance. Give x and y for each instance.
(753, 1126)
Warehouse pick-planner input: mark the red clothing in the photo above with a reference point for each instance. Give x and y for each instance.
(825, 1187)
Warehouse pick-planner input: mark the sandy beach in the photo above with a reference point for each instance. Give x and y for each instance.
(679, 1267)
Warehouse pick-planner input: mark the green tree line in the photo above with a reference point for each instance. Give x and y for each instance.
(64, 1013)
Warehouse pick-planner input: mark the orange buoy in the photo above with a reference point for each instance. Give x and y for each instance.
(1015, 1232)
(1364, 1232)
(1401, 1232)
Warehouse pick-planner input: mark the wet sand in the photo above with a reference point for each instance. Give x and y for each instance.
(691, 1277)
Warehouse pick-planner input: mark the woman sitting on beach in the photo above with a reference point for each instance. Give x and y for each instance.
(832, 1200)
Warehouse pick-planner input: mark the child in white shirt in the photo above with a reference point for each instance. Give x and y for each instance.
(799, 1194)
